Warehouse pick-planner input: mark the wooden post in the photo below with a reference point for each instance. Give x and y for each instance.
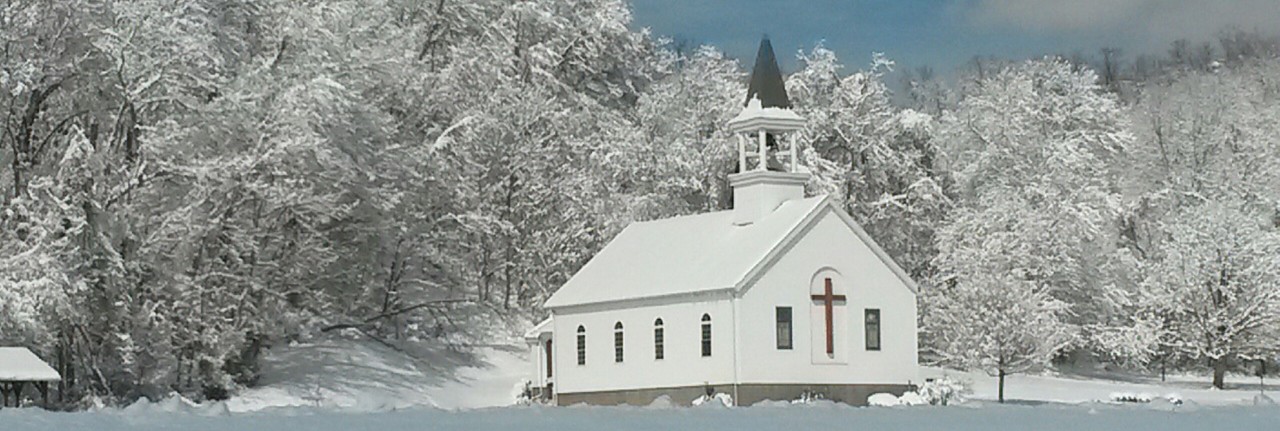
(762, 153)
(43, 387)
(548, 348)
(794, 141)
(742, 153)
(17, 393)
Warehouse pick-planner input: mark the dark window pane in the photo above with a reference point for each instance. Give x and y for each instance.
(582, 346)
(657, 343)
(784, 328)
(617, 344)
(706, 335)
(706, 339)
(873, 329)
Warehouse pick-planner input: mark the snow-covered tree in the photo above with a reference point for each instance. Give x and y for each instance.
(1204, 143)
(680, 155)
(1031, 149)
(877, 158)
(1218, 277)
(183, 184)
(1001, 324)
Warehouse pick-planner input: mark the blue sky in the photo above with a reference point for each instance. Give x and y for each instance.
(946, 33)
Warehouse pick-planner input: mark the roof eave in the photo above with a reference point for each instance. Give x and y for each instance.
(752, 121)
(618, 301)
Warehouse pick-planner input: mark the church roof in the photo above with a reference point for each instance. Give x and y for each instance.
(766, 79)
(680, 255)
(693, 254)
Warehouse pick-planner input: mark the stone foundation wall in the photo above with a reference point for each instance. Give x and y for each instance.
(748, 394)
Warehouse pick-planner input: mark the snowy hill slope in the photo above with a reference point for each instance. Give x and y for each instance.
(363, 375)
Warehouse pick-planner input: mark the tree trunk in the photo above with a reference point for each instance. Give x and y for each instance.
(1162, 368)
(25, 146)
(1219, 372)
(1002, 374)
(19, 186)
(510, 251)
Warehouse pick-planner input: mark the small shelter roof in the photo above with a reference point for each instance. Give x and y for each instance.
(18, 364)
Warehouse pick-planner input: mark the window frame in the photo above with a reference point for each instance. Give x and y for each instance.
(778, 328)
(872, 326)
(582, 345)
(617, 343)
(706, 335)
(659, 348)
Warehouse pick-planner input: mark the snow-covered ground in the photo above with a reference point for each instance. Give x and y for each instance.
(826, 417)
(1081, 388)
(341, 384)
(361, 375)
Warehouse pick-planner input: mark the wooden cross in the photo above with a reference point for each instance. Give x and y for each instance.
(829, 299)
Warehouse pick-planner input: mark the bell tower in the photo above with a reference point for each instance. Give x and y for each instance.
(766, 127)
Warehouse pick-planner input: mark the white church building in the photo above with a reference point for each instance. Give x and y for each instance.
(783, 294)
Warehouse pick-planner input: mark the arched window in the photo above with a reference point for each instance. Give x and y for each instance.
(582, 345)
(617, 342)
(706, 335)
(657, 339)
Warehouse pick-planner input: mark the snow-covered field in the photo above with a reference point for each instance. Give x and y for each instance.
(345, 385)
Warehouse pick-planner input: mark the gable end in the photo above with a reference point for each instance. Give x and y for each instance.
(803, 228)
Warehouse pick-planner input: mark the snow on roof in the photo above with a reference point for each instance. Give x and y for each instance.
(19, 364)
(755, 117)
(543, 327)
(681, 255)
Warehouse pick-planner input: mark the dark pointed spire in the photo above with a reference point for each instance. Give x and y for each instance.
(766, 79)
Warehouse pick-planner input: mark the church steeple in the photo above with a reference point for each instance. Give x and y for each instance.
(766, 122)
(766, 79)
